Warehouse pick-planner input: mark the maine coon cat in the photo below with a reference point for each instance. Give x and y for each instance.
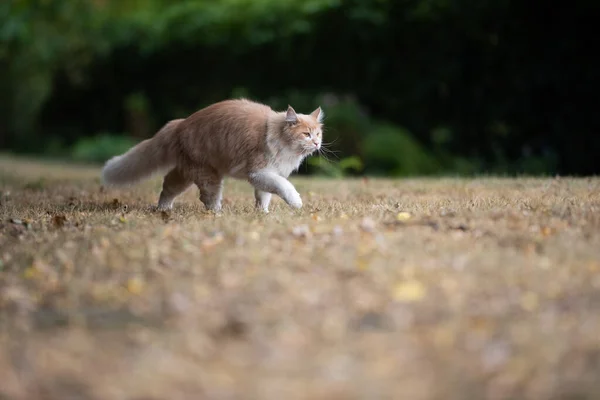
(237, 138)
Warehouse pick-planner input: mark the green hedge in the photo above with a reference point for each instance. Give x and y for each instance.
(512, 91)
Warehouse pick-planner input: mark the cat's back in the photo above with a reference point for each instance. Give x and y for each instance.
(234, 111)
(228, 119)
(225, 132)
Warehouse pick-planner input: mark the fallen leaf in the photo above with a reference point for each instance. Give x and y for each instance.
(403, 216)
(135, 286)
(122, 219)
(59, 220)
(409, 291)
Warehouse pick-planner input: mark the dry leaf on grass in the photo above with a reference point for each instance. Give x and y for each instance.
(403, 216)
(135, 285)
(409, 291)
(59, 220)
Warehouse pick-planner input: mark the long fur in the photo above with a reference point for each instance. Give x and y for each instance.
(237, 138)
(147, 158)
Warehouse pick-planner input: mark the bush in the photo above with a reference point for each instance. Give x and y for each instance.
(392, 150)
(100, 148)
(338, 169)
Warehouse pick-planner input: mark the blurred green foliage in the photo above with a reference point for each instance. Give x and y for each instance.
(408, 87)
(337, 169)
(392, 149)
(100, 148)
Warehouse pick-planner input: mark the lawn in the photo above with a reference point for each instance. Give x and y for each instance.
(375, 289)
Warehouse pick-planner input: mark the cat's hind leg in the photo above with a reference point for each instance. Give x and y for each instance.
(174, 184)
(210, 185)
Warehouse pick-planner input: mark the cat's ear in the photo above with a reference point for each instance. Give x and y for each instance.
(290, 116)
(318, 114)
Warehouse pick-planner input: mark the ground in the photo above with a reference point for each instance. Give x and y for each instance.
(375, 289)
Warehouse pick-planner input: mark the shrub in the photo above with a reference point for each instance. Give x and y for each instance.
(391, 149)
(100, 148)
(338, 169)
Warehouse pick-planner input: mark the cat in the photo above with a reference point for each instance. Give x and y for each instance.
(238, 138)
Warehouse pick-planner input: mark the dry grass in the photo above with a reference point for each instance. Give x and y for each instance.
(491, 289)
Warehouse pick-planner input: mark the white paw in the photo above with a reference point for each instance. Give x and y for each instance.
(165, 206)
(294, 200)
(215, 207)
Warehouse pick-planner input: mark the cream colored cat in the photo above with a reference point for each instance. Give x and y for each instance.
(237, 138)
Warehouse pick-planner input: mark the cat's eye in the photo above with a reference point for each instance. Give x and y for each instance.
(307, 134)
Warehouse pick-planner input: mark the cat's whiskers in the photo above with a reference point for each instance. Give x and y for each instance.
(328, 152)
(330, 143)
(324, 155)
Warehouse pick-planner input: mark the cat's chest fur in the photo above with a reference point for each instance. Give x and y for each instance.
(284, 162)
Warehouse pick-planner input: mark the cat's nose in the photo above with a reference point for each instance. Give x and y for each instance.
(316, 143)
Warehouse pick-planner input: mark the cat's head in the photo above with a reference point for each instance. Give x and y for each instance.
(304, 132)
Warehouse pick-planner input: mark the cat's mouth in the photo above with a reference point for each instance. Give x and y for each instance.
(310, 150)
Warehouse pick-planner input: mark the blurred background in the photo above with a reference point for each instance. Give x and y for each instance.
(409, 87)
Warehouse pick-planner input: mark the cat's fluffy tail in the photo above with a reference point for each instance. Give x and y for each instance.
(143, 160)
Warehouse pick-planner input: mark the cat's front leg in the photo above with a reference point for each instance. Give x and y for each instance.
(262, 200)
(270, 182)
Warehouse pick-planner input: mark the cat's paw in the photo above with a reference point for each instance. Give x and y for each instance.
(164, 206)
(261, 208)
(295, 200)
(214, 207)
